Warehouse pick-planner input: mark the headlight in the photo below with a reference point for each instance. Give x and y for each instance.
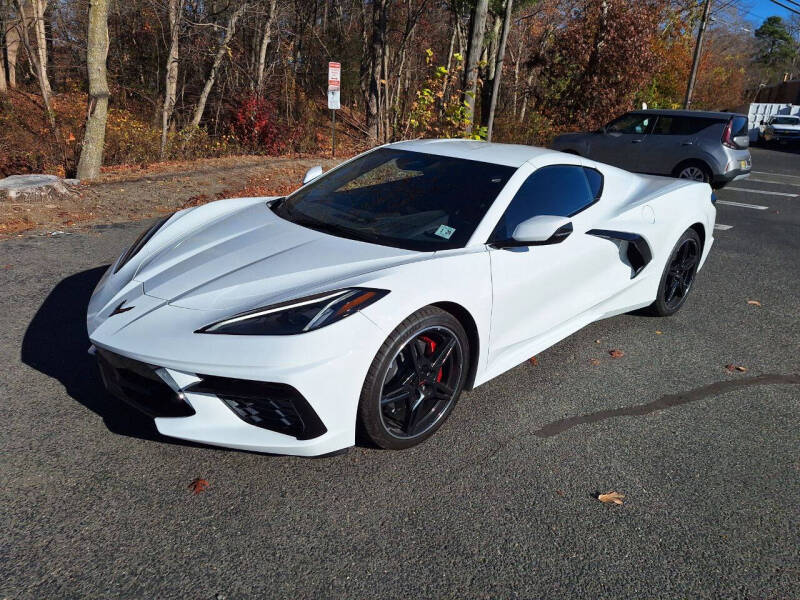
(298, 316)
(143, 238)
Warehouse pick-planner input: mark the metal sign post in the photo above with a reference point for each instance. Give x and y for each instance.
(334, 85)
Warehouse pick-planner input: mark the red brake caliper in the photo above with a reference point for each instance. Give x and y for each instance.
(430, 346)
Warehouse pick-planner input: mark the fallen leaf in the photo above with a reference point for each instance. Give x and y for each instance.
(198, 485)
(597, 341)
(534, 361)
(616, 353)
(594, 362)
(754, 302)
(611, 497)
(731, 368)
(560, 493)
(659, 332)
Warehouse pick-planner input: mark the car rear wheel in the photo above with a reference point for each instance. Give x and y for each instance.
(693, 170)
(679, 273)
(414, 380)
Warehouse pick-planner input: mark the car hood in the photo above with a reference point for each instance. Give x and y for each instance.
(779, 127)
(570, 137)
(252, 257)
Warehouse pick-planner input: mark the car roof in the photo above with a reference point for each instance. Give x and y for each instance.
(706, 114)
(511, 155)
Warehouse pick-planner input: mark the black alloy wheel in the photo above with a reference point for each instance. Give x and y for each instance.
(421, 381)
(679, 274)
(415, 380)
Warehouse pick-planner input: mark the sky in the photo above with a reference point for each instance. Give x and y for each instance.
(761, 9)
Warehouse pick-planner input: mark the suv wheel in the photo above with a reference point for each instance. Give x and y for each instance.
(694, 170)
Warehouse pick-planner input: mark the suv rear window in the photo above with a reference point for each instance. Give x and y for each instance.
(668, 125)
(739, 127)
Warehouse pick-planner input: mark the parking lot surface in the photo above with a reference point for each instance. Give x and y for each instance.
(499, 503)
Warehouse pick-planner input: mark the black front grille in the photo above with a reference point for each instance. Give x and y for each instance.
(137, 384)
(274, 406)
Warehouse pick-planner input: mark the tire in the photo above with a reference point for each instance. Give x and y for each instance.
(676, 283)
(405, 398)
(694, 170)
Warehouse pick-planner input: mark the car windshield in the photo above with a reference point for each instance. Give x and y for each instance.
(398, 198)
(786, 121)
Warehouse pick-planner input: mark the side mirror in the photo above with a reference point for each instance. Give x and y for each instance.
(539, 231)
(312, 174)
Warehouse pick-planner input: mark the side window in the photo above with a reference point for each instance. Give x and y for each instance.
(663, 126)
(672, 125)
(630, 123)
(560, 190)
(691, 125)
(595, 180)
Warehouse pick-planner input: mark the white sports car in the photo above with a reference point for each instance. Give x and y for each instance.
(371, 297)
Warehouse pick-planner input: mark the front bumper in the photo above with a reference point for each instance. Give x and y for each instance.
(782, 136)
(276, 394)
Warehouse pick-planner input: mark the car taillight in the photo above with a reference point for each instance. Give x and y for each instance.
(727, 135)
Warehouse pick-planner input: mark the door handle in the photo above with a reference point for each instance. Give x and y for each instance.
(687, 143)
(636, 141)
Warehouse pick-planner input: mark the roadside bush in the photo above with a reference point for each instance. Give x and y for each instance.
(257, 127)
(132, 141)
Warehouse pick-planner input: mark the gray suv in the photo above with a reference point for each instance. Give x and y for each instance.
(703, 146)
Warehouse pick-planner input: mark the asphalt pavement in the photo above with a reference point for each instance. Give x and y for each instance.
(498, 504)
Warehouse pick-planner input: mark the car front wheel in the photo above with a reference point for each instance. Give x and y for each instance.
(414, 380)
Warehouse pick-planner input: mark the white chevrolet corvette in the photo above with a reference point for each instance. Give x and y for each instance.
(372, 296)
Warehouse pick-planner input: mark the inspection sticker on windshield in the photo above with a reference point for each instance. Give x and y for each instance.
(445, 232)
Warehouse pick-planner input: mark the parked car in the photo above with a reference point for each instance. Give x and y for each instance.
(377, 292)
(703, 146)
(781, 128)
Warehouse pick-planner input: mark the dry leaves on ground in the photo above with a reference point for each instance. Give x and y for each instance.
(754, 303)
(534, 361)
(611, 498)
(616, 353)
(594, 362)
(198, 485)
(659, 332)
(732, 368)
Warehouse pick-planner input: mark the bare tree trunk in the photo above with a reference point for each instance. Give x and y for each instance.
(33, 58)
(528, 84)
(489, 58)
(262, 51)
(97, 51)
(376, 67)
(3, 80)
(517, 60)
(364, 66)
(448, 67)
(498, 71)
(175, 12)
(3, 20)
(12, 50)
(38, 8)
(473, 53)
(221, 51)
